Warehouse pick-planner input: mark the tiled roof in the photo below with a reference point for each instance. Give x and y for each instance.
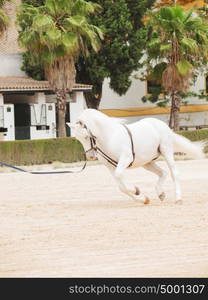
(29, 84)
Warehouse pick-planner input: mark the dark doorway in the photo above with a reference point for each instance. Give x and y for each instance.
(22, 121)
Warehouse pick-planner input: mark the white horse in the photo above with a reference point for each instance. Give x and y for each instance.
(120, 147)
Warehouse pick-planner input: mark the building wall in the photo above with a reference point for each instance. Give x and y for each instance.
(138, 89)
(11, 65)
(133, 99)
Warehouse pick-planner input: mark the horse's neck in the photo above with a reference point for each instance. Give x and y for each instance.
(103, 130)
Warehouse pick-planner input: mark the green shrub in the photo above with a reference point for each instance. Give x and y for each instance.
(29, 152)
(195, 135)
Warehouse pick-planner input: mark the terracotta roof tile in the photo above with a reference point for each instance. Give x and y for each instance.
(29, 84)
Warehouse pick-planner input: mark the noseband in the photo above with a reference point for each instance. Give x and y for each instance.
(94, 147)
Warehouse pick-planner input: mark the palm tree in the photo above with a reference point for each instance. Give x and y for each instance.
(177, 47)
(56, 33)
(4, 19)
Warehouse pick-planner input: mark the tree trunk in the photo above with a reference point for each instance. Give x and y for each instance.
(61, 106)
(174, 113)
(61, 75)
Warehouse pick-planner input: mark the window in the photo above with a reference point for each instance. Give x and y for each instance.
(153, 87)
(206, 83)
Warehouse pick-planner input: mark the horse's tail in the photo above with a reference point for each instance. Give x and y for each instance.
(192, 149)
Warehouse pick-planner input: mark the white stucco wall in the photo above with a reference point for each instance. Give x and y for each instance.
(138, 89)
(76, 106)
(111, 100)
(10, 65)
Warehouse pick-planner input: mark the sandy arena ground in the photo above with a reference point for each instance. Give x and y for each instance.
(81, 225)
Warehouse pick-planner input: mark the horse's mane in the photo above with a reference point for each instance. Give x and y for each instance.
(92, 114)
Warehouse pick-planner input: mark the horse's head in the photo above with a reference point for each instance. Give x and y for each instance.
(85, 137)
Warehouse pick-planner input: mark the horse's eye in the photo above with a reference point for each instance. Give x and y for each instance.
(80, 123)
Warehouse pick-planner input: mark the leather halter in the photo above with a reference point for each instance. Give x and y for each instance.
(103, 154)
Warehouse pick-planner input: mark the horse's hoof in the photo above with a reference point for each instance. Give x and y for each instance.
(162, 196)
(179, 202)
(146, 200)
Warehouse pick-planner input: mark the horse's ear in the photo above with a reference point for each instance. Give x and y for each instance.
(70, 125)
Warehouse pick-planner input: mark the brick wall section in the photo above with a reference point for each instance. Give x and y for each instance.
(8, 43)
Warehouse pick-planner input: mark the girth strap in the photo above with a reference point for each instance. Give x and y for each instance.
(108, 158)
(132, 144)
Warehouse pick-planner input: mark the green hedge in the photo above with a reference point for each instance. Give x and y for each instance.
(195, 135)
(29, 152)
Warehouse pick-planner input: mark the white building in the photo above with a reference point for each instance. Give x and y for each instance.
(131, 107)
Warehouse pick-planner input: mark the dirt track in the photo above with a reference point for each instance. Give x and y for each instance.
(82, 226)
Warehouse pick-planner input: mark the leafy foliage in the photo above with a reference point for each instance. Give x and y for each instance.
(54, 34)
(4, 19)
(121, 49)
(178, 39)
(55, 30)
(32, 66)
(58, 28)
(33, 2)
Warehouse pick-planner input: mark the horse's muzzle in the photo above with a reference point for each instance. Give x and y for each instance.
(91, 155)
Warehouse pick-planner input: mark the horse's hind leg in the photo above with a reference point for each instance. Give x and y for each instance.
(133, 191)
(167, 152)
(153, 167)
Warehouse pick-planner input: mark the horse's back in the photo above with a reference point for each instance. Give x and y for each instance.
(153, 125)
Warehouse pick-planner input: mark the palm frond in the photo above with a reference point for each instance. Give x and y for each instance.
(178, 12)
(184, 67)
(189, 44)
(42, 21)
(76, 21)
(4, 22)
(167, 13)
(56, 33)
(165, 47)
(70, 41)
(81, 7)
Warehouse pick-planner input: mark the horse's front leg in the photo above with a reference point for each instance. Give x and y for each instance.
(133, 191)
